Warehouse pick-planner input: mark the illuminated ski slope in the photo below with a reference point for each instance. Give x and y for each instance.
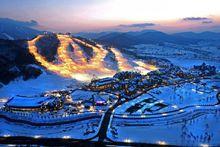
(79, 68)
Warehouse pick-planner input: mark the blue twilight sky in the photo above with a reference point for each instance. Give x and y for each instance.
(123, 15)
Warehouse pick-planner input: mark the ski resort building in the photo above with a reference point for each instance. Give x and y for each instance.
(19, 103)
(102, 84)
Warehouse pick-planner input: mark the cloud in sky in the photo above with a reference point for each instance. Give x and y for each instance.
(31, 23)
(202, 20)
(138, 25)
(195, 19)
(207, 22)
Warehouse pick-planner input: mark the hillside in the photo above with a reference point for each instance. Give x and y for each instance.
(128, 39)
(13, 29)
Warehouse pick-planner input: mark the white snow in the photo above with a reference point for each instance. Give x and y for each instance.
(188, 63)
(74, 130)
(45, 82)
(184, 56)
(82, 95)
(28, 101)
(8, 36)
(174, 97)
(202, 130)
(188, 94)
(190, 119)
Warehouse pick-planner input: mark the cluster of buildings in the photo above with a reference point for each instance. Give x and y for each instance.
(123, 84)
(40, 104)
(129, 84)
(68, 102)
(203, 70)
(100, 94)
(167, 76)
(88, 100)
(102, 84)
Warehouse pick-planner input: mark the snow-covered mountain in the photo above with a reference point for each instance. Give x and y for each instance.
(202, 36)
(127, 39)
(13, 29)
(16, 61)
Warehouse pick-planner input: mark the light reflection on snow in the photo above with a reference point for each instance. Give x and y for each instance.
(81, 69)
(204, 145)
(128, 140)
(161, 142)
(6, 135)
(37, 136)
(164, 114)
(175, 106)
(66, 137)
(181, 110)
(3, 100)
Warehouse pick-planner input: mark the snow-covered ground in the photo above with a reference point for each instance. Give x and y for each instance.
(188, 94)
(78, 130)
(171, 98)
(202, 130)
(82, 95)
(188, 63)
(189, 117)
(45, 82)
(184, 56)
(194, 125)
(166, 50)
(178, 51)
(8, 36)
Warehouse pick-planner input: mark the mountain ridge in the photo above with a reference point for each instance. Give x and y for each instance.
(126, 39)
(13, 29)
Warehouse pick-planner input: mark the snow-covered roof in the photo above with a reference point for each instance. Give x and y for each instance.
(28, 102)
(82, 95)
(104, 81)
(98, 97)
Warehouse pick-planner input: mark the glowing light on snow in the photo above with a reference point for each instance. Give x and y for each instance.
(78, 67)
(66, 137)
(91, 109)
(6, 135)
(12, 145)
(181, 110)
(122, 62)
(164, 114)
(161, 142)
(200, 92)
(67, 66)
(215, 89)
(37, 136)
(161, 101)
(81, 77)
(193, 90)
(175, 106)
(3, 100)
(204, 145)
(128, 140)
(144, 68)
